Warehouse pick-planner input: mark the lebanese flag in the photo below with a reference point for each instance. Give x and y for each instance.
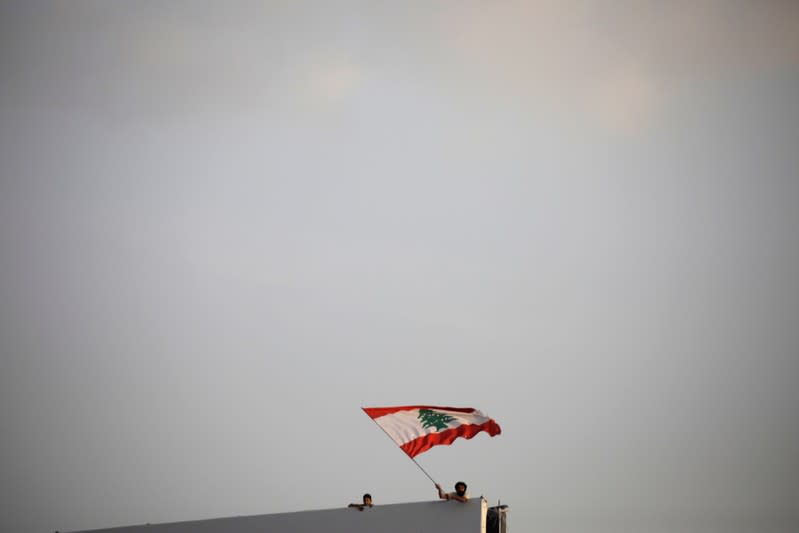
(417, 428)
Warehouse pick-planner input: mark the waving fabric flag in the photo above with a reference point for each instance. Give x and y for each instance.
(417, 428)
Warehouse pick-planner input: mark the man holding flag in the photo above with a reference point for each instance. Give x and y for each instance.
(459, 495)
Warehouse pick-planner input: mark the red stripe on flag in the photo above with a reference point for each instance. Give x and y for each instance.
(377, 412)
(467, 431)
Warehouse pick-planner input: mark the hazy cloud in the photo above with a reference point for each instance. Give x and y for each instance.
(225, 227)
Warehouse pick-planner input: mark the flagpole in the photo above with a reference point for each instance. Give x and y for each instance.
(411, 458)
(423, 470)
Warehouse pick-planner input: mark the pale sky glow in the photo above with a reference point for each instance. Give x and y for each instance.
(225, 228)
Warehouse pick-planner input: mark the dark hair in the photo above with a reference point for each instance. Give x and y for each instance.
(460, 483)
(367, 495)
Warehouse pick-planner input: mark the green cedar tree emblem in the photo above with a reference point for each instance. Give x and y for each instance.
(432, 418)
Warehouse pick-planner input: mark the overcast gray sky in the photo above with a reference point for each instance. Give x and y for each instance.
(225, 227)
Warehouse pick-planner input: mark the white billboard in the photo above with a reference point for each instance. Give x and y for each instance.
(421, 517)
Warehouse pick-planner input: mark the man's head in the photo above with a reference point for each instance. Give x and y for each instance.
(367, 499)
(460, 488)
